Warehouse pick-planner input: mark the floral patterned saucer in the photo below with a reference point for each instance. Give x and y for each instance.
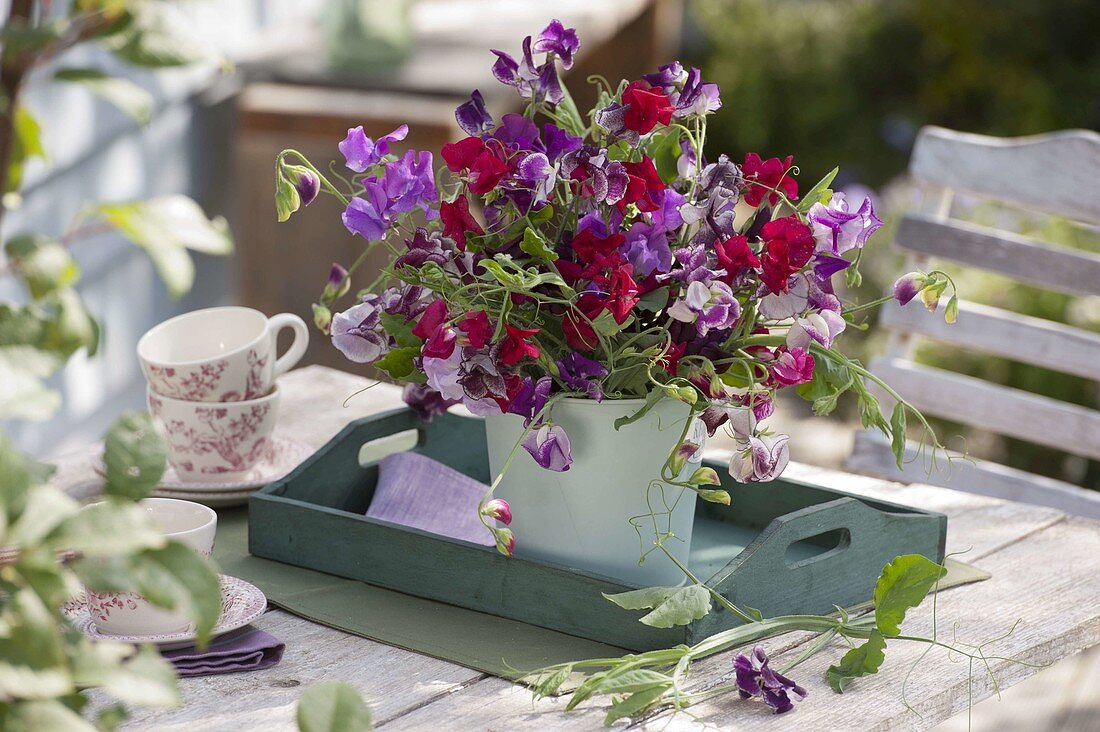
(242, 603)
(285, 456)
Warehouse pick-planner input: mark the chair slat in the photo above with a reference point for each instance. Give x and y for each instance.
(1019, 257)
(871, 456)
(990, 330)
(1055, 172)
(995, 408)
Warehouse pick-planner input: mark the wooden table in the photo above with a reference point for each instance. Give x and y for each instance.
(1046, 573)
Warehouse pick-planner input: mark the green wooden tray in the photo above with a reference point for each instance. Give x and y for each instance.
(780, 547)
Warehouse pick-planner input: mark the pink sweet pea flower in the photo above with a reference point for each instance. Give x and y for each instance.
(498, 509)
(792, 366)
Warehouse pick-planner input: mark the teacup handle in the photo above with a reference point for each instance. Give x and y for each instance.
(297, 348)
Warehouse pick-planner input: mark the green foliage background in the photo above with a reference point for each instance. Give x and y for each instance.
(851, 83)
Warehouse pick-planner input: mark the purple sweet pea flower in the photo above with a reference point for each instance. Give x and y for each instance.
(712, 307)
(720, 185)
(516, 133)
(612, 118)
(647, 249)
(410, 184)
(360, 152)
(357, 332)
(697, 96)
(837, 230)
(537, 172)
(606, 178)
(694, 265)
(741, 419)
(425, 401)
(473, 117)
(531, 398)
(408, 301)
(756, 678)
(559, 40)
(549, 446)
(784, 305)
(558, 142)
(370, 215)
(668, 77)
(480, 376)
(823, 327)
(305, 181)
(908, 286)
(428, 247)
(760, 459)
(686, 164)
(581, 374)
(532, 82)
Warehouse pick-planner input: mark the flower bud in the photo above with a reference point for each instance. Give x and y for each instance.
(322, 318)
(305, 181)
(930, 296)
(715, 496)
(951, 314)
(338, 283)
(908, 286)
(704, 476)
(498, 509)
(685, 394)
(506, 541)
(680, 456)
(287, 199)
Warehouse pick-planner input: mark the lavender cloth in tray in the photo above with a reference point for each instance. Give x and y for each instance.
(416, 491)
(247, 650)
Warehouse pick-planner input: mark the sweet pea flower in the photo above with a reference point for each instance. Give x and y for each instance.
(823, 327)
(305, 181)
(710, 308)
(741, 419)
(506, 541)
(516, 346)
(532, 82)
(443, 374)
(908, 286)
(582, 374)
(357, 332)
(755, 678)
(458, 221)
(768, 178)
(792, 366)
(760, 459)
(499, 510)
(338, 283)
(531, 399)
(838, 230)
(559, 40)
(427, 247)
(425, 401)
(360, 152)
(646, 107)
(472, 116)
(539, 174)
(549, 446)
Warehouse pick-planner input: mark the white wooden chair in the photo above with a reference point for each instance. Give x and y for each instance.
(1058, 174)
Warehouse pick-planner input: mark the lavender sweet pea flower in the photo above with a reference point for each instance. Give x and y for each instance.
(473, 117)
(581, 374)
(557, 39)
(357, 332)
(668, 77)
(612, 119)
(647, 249)
(823, 327)
(710, 307)
(720, 185)
(443, 375)
(370, 215)
(908, 286)
(425, 401)
(760, 459)
(781, 306)
(697, 96)
(517, 133)
(360, 152)
(408, 301)
(532, 82)
(694, 265)
(755, 678)
(410, 184)
(549, 446)
(837, 230)
(537, 171)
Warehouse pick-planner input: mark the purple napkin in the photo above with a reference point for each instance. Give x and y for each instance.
(421, 493)
(248, 650)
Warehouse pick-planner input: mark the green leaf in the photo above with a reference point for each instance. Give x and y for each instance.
(177, 577)
(398, 363)
(32, 658)
(534, 244)
(651, 400)
(863, 660)
(820, 193)
(135, 456)
(22, 393)
(630, 681)
(46, 508)
(124, 94)
(903, 584)
(634, 704)
(654, 301)
(166, 228)
(109, 529)
(71, 327)
(44, 265)
(20, 474)
(401, 330)
(45, 715)
(897, 433)
(665, 151)
(146, 679)
(157, 37)
(26, 144)
(333, 706)
(670, 605)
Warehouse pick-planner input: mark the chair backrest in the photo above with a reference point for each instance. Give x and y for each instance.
(1057, 174)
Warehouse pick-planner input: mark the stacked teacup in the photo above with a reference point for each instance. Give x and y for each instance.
(212, 387)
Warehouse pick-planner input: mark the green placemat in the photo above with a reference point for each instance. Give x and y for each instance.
(487, 643)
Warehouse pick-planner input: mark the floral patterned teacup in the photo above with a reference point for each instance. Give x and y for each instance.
(128, 613)
(224, 354)
(216, 442)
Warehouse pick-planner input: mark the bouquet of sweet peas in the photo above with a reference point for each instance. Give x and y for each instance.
(602, 255)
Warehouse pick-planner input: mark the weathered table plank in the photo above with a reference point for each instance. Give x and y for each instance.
(1045, 572)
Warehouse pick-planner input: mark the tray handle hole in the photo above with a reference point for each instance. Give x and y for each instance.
(817, 547)
(373, 451)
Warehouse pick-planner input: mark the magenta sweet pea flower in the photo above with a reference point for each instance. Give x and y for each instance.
(357, 332)
(823, 327)
(760, 459)
(755, 678)
(837, 230)
(361, 152)
(549, 446)
(792, 366)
